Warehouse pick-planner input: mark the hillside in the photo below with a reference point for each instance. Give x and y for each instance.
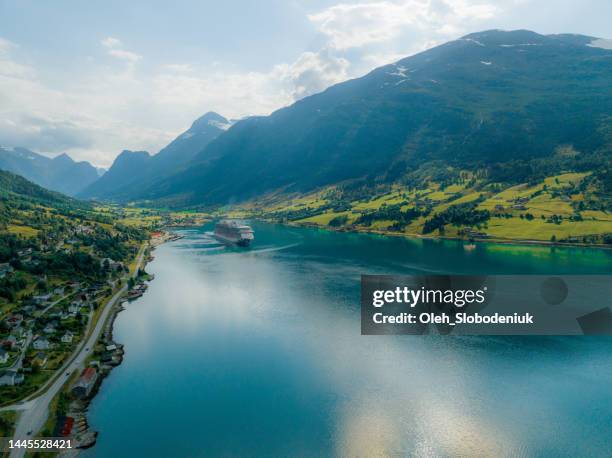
(60, 173)
(60, 259)
(16, 187)
(133, 170)
(488, 98)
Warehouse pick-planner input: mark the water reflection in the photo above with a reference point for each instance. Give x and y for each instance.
(259, 353)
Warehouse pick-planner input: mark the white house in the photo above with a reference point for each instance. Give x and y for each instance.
(3, 356)
(25, 252)
(41, 299)
(41, 344)
(10, 378)
(49, 329)
(67, 338)
(74, 307)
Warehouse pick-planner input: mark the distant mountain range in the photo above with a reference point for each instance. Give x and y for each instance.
(488, 98)
(134, 170)
(60, 173)
(13, 185)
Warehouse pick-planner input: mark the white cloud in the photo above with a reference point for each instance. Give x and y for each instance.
(111, 42)
(125, 55)
(178, 68)
(115, 49)
(8, 67)
(233, 93)
(349, 25)
(5, 45)
(98, 112)
(313, 72)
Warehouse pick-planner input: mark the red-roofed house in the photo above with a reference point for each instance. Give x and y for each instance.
(83, 386)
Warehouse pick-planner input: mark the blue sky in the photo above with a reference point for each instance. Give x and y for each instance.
(92, 78)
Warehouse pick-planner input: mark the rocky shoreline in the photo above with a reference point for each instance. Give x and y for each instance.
(86, 437)
(112, 356)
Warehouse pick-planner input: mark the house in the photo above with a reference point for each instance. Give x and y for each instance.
(67, 338)
(112, 265)
(5, 268)
(74, 307)
(4, 356)
(83, 386)
(40, 359)
(27, 309)
(25, 252)
(11, 340)
(8, 344)
(106, 357)
(59, 290)
(42, 298)
(81, 229)
(111, 347)
(14, 320)
(10, 378)
(49, 329)
(41, 344)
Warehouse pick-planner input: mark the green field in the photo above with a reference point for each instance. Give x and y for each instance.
(555, 208)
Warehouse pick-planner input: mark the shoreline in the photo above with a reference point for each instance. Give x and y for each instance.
(519, 242)
(79, 408)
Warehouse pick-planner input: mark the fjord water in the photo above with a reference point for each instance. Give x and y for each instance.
(258, 352)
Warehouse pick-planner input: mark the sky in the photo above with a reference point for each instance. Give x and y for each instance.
(94, 78)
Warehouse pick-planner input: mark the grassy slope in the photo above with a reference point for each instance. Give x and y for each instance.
(550, 197)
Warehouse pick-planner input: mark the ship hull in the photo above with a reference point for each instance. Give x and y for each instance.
(233, 241)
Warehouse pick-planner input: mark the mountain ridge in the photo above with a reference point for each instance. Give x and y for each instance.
(60, 173)
(485, 98)
(132, 170)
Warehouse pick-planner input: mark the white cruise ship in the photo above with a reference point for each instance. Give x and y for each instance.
(230, 231)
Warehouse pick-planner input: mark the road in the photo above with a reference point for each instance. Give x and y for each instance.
(47, 308)
(19, 361)
(34, 412)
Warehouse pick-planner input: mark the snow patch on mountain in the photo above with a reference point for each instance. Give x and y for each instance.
(219, 124)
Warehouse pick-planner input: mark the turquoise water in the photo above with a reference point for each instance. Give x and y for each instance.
(258, 352)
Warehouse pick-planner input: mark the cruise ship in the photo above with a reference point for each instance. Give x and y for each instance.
(229, 231)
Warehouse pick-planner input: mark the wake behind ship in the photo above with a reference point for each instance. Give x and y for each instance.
(233, 232)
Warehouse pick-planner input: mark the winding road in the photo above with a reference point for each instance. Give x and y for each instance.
(34, 412)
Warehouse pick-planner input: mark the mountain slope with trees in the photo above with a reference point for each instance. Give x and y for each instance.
(487, 99)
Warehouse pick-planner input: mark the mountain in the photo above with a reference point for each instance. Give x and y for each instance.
(60, 173)
(126, 170)
(133, 170)
(487, 98)
(12, 185)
